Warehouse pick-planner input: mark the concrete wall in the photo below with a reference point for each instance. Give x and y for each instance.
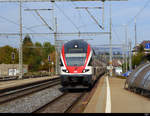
(11, 69)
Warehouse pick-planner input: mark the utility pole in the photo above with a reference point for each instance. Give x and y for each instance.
(20, 46)
(124, 56)
(110, 42)
(130, 56)
(56, 45)
(55, 35)
(135, 33)
(126, 48)
(103, 14)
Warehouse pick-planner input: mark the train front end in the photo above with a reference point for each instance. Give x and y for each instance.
(75, 63)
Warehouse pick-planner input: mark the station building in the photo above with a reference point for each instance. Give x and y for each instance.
(146, 46)
(11, 69)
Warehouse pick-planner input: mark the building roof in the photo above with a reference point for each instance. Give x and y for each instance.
(116, 62)
(145, 42)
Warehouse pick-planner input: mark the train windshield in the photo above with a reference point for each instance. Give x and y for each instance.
(75, 59)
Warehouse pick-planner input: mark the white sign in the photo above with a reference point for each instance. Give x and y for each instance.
(12, 72)
(109, 67)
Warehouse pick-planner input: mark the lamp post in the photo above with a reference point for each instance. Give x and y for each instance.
(126, 46)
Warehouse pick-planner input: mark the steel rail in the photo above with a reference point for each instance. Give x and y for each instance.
(46, 105)
(8, 78)
(15, 94)
(55, 101)
(74, 103)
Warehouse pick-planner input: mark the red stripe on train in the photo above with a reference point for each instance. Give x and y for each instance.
(63, 55)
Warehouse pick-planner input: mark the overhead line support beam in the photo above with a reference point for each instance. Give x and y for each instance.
(56, 0)
(62, 34)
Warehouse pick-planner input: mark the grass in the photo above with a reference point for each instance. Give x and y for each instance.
(121, 77)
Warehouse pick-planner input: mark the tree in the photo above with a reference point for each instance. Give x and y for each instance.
(39, 55)
(29, 54)
(6, 55)
(138, 59)
(141, 48)
(34, 55)
(27, 39)
(47, 50)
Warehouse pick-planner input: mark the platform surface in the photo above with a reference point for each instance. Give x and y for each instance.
(121, 100)
(12, 83)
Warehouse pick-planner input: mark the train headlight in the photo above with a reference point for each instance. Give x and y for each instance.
(64, 70)
(85, 70)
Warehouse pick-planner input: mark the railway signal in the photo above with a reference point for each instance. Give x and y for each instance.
(49, 58)
(13, 56)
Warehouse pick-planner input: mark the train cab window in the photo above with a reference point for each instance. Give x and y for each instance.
(60, 63)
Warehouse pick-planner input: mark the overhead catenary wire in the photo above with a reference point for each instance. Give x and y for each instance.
(115, 33)
(33, 15)
(139, 12)
(67, 17)
(80, 18)
(10, 21)
(43, 20)
(13, 22)
(45, 23)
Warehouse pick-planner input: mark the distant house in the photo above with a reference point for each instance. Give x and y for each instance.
(117, 62)
(135, 49)
(11, 69)
(145, 44)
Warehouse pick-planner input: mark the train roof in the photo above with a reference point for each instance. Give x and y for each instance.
(78, 42)
(74, 44)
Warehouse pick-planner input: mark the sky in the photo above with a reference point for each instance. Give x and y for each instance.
(70, 19)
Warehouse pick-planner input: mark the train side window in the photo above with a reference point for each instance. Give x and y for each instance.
(60, 63)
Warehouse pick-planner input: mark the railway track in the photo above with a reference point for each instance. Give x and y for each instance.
(69, 102)
(43, 97)
(13, 93)
(61, 104)
(9, 78)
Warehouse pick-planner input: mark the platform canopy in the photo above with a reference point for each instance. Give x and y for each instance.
(55, 0)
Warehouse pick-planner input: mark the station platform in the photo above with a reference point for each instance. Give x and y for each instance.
(13, 83)
(111, 97)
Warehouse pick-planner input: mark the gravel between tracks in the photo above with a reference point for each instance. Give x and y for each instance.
(31, 102)
(61, 104)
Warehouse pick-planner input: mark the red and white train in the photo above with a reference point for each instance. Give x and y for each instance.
(79, 65)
